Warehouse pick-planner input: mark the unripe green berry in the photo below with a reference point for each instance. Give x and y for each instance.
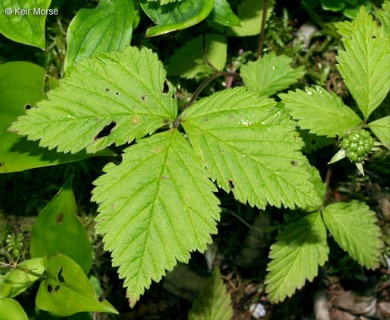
(357, 145)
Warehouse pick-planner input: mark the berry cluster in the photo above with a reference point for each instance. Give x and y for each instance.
(357, 145)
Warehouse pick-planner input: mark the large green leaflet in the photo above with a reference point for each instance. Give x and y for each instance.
(66, 290)
(21, 86)
(321, 112)
(175, 16)
(270, 74)
(250, 148)
(11, 309)
(25, 22)
(18, 280)
(364, 60)
(112, 98)
(213, 302)
(155, 208)
(296, 256)
(353, 226)
(188, 61)
(58, 230)
(108, 27)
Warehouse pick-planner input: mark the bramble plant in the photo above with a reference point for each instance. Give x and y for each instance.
(159, 204)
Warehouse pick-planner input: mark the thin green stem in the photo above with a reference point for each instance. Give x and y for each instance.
(262, 30)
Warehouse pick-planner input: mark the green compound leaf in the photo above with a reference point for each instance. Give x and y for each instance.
(270, 74)
(250, 148)
(20, 279)
(58, 230)
(24, 21)
(11, 309)
(175, 16)
(21, 86)
(67, 291)
(384, 16)
(223, 14)
(115, 97)
(321, 112)
(189, 62)
(250, 13)
(108, 27)
(296, 256)
(155, 208)
(353, 226)
(213, 302)
(381, 129)
(362, 63)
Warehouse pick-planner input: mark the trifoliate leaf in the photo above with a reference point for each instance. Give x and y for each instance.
(155, 208)
(353, 226)
(175, 16)
(250, 13)
(108, 27)
(250, 148)
(213, 302)
(270, 74)
(24, 21)
(384, 16)
(223, 14)
(381, 129)
(189, 60)
(296, 256)
(115, 97)
(57, 229)
(362, 63)
(321, 112)
(66, 290)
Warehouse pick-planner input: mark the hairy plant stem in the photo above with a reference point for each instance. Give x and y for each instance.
(262, 29)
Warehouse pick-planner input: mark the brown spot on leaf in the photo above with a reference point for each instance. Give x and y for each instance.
(57, 287)
(49, 288)
(294, 163)
(135, 120)
(143, 98)
(59, 218)
(27, 107)
(107, 89)
(157, 150)
(231, 184)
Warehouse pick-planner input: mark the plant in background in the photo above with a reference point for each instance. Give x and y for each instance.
(158, 204)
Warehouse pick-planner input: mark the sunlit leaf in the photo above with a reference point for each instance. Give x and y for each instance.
(155, 208)
(105, 100)
(353, 226)
(250, 148)
(296, 256)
